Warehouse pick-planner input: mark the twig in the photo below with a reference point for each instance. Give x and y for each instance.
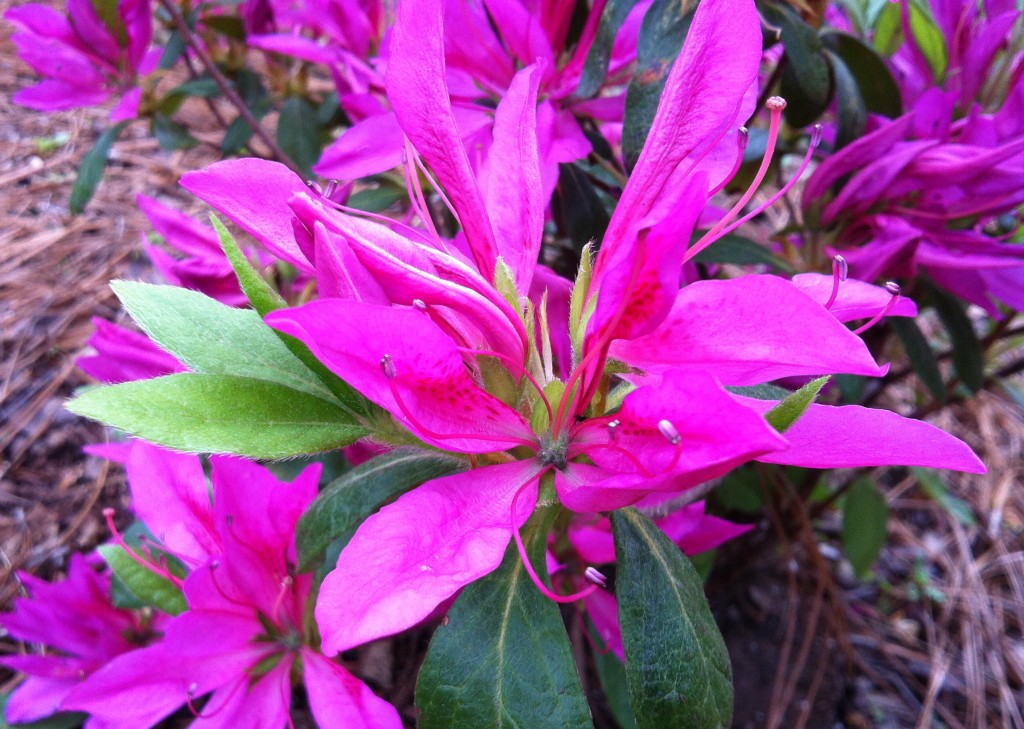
(196, 44)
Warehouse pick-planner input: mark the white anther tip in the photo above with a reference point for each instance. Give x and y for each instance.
(595, 577)
(893, 288)
(775, 103)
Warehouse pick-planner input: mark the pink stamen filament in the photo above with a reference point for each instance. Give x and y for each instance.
(416, 198)
(522, 370)
(213, 578)
(450, 436)
(895, 291)
(191, 692)
(741, 147)
(719, 231)
(839, 273)
(286, 585)
(108, 515)
(553, 596)
(622, 452)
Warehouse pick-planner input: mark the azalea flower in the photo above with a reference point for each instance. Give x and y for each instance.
(436, 332)
(245, 636)
(123, 355)
(77, 619)
(85, 58)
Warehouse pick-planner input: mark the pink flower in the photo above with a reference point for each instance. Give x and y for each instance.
(123, 355)
(77, 619)
(245, 633)
(85, 58)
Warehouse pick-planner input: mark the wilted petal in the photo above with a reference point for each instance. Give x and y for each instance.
(413, 554)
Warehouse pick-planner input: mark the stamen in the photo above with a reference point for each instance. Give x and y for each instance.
(332, 187)
(419, 304)
(840, 270)
(668, 430)
(286, 585)
(595, 576)
(742, 139)
(894, 289)
(553, 596)
(613, 430)
(724, 227)
(213, 578)
(190, 694)
(416, 198)
(108, 515)
(388, 366)
(315, 187)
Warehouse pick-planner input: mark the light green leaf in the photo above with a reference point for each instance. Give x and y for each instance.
(503, 659)
(215, 339)
(145, 584)
(865, 524)
(343, 505)
(221, 414)
(677, 665)
(782, 416)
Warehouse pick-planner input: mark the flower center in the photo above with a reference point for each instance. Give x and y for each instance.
(554, 450)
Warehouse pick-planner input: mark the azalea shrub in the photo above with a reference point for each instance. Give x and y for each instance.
(483, 378)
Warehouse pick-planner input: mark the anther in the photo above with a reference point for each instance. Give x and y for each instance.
(775, 103)
(419, 304)
(388, 366)
(314, 187)
(839, 273)
(667, 429)
(332, 187)
(613, 429)
(893, 288)
(595, 577)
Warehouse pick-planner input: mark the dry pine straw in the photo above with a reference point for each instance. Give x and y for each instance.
(958, 659)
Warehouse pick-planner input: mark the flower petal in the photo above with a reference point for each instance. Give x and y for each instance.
(339, 699)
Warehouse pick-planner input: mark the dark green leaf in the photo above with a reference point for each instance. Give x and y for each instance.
(932, 485)
(761, 392)
(612, 675)
(298, 133)
(343, 505)
(63, 720)
(583, 214)
(265, 299)
(329, 112)
(173, 50)
(806, 85)
(596, 67)
(740, 251)
(221, 414)
(661, 38)
(212, 338)
(865, 525)
(227, 25)
(503, 659)
(922, 358)
(677, 664)
(968, 352)
(851, 110)
(91, 171)
(851, 387)
(877, 86)
(376, 199)
(782, 416)
(170, 134)
(741, 491)
(204, 87)
(110, 13)
(145, 584)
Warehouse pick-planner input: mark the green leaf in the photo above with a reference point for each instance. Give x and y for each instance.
(760, 392)
(91, 171)
(145, 584)
(865, 525)
(877, 86)
(677, 664)
(503, 659)
(806, 85)
(583, 215)
(221, 414)
(932, 485)
(265, 299)
(212, 338)
(968, 351)
(374, 200)
(612, 675)
(662, 33)
(343, 505)
(62, 720)
(782, 416)
(888, 31)
(227, 25)
(298, 133)
(109, 12)
(171, 135)
(922, 358)
(596, 67)
(173, 50)
(205, 87)
(851, 110)
(741, 491)
(851, 387)
(741, 251)
(929, 40)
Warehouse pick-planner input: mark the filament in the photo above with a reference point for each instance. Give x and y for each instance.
(893, 289)
(108, 514)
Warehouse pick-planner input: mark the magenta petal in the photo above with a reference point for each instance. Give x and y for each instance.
(430, 391)
(850, 436)
(36, 698)
(55, 95)
(339, 699)
(419, 95)
(603, 610)
(252, 703)
(855, 300)
(372, 146)
(745, 332)
(513, 191)
(413, 554)
(254, 194)
(124, 356)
